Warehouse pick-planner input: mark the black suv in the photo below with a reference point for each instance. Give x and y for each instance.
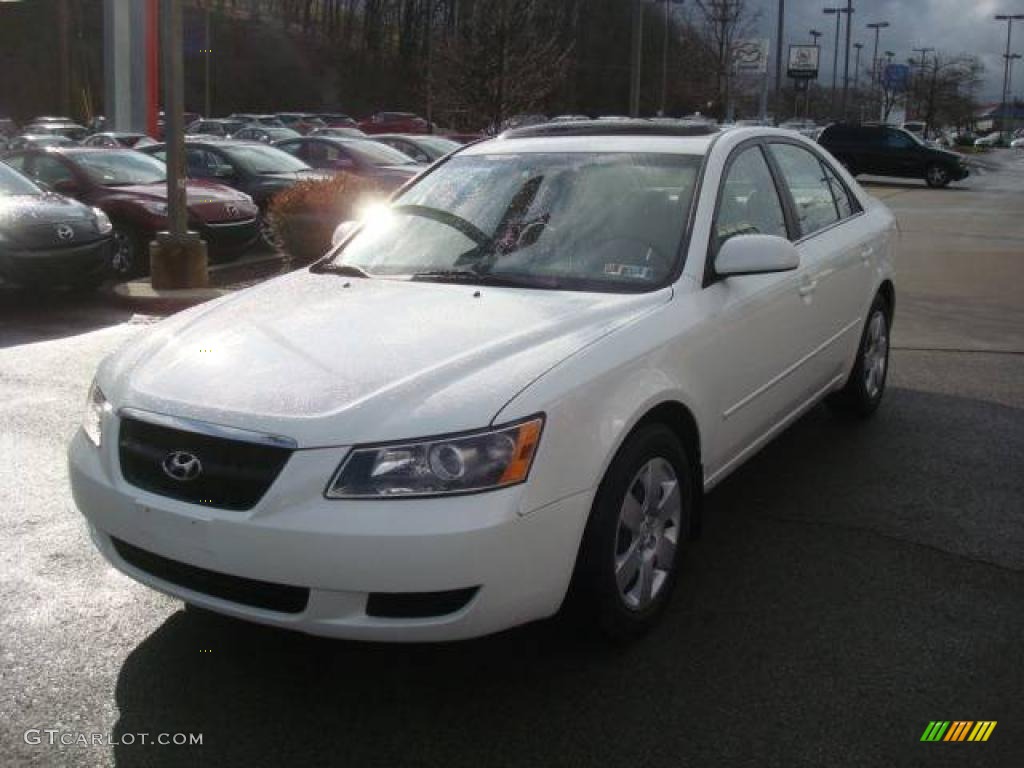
(881, 150)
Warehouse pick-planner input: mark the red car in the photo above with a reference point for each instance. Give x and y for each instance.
(395, 122)
(131, 188)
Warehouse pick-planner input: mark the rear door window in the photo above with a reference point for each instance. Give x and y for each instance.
(809, 186)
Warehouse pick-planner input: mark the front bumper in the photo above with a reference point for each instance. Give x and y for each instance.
(513, 567)
(229, 237)
(56, 266)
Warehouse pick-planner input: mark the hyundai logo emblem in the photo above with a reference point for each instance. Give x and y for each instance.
(182, 466)
(64, 232)
(231, 209)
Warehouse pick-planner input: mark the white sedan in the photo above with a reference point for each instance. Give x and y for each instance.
(502, 393)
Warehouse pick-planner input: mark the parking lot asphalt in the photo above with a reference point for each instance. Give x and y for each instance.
(853, 581)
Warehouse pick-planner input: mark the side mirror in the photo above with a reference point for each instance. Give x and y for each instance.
(756, 255)
(65, 187)
(342, 231)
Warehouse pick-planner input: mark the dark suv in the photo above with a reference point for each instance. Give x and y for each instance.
(881, 150)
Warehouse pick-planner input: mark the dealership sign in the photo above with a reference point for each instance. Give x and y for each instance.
(803, 62)
(750, 56)
(896, 78)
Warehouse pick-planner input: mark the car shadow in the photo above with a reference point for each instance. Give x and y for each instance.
(28, 316)
(836, 585)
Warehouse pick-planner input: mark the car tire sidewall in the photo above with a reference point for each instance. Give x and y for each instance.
(595, 592)
(939, 183)
(854, 399)
(139, 264)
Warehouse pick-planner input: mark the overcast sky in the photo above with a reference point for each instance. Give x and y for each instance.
(951, 26)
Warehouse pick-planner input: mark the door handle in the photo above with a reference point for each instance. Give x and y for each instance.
(806, 289)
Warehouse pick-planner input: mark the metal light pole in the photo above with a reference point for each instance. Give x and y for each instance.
(835, 54)
(815, 34)
(1010, 100)
(779, 34)
(876, 76)
(664, 53)
(1009, 18)
(177, 257)
(206, 66)
(856, 66)
(846, 58)
(636, 57)
(923, 61)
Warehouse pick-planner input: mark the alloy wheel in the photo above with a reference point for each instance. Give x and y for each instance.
(648, 534)
(123, 258)
(876, 354)
(938, 176)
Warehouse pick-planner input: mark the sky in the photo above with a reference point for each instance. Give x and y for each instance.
(951, 26)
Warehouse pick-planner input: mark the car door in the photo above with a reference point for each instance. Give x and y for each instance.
(762, 334)
(904, 153)
(835, 255)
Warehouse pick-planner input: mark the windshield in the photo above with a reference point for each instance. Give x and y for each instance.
(114, 168)
(579, 221)
(258, 159)
(13, 183)
(375, 153)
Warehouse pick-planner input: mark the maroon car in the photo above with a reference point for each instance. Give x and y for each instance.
(394, 122)
(131, 188)
(388, 167)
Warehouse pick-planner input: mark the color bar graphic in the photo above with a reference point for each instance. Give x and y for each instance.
(958, 730)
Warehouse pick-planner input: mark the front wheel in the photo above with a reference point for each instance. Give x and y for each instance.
(863, 392)
(639, 523)
(130, 255)
(937, 177)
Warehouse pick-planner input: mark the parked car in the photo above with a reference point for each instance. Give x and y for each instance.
(115, 139)
(422, 149)
(539, 363)
(993, 139)
(264, 133)
(47, 239)
(270, 121)
(337, 120)
(131, 188)
(395, 122)
(257, 170)
(1017, 143)
(188, 118)
(303, 122)
(882, 150)
(338, 132)
(26, 141)
(69, 130)
(384, 165)
(207, 127)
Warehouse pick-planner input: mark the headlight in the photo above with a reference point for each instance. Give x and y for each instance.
(96, 407)
(465, 463)
(103, 224)
(155, 207)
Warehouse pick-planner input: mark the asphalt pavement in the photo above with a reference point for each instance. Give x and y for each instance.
(853, 582)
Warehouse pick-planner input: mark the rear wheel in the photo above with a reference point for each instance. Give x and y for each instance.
(863, 392)
(631, 546)
(937, 177)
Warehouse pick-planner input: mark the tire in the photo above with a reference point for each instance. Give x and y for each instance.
(866, 386)
(937, 176)
(268, 238)
(630, 553)
(130, 256)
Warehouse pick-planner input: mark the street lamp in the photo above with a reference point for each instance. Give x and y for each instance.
(846, 57)
(815, 34)
(878, 26)
(1009, 18)
(664, 53)
(856, 66)
(835, 54)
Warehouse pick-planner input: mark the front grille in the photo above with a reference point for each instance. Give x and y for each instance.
(233, 475)
(258, 594)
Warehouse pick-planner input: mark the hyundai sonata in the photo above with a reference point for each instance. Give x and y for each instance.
(503, 392)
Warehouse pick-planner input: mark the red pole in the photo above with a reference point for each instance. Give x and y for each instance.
(152, 66)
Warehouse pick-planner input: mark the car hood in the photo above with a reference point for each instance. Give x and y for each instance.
(329, 360)
(33, 220)
(197, 192)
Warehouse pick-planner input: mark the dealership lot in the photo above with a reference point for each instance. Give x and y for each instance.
(853, 582)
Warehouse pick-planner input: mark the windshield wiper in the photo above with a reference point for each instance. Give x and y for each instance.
(345, 270)
(482, 278)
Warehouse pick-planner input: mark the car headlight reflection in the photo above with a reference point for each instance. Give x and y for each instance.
(466, 463)
(96, 407)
